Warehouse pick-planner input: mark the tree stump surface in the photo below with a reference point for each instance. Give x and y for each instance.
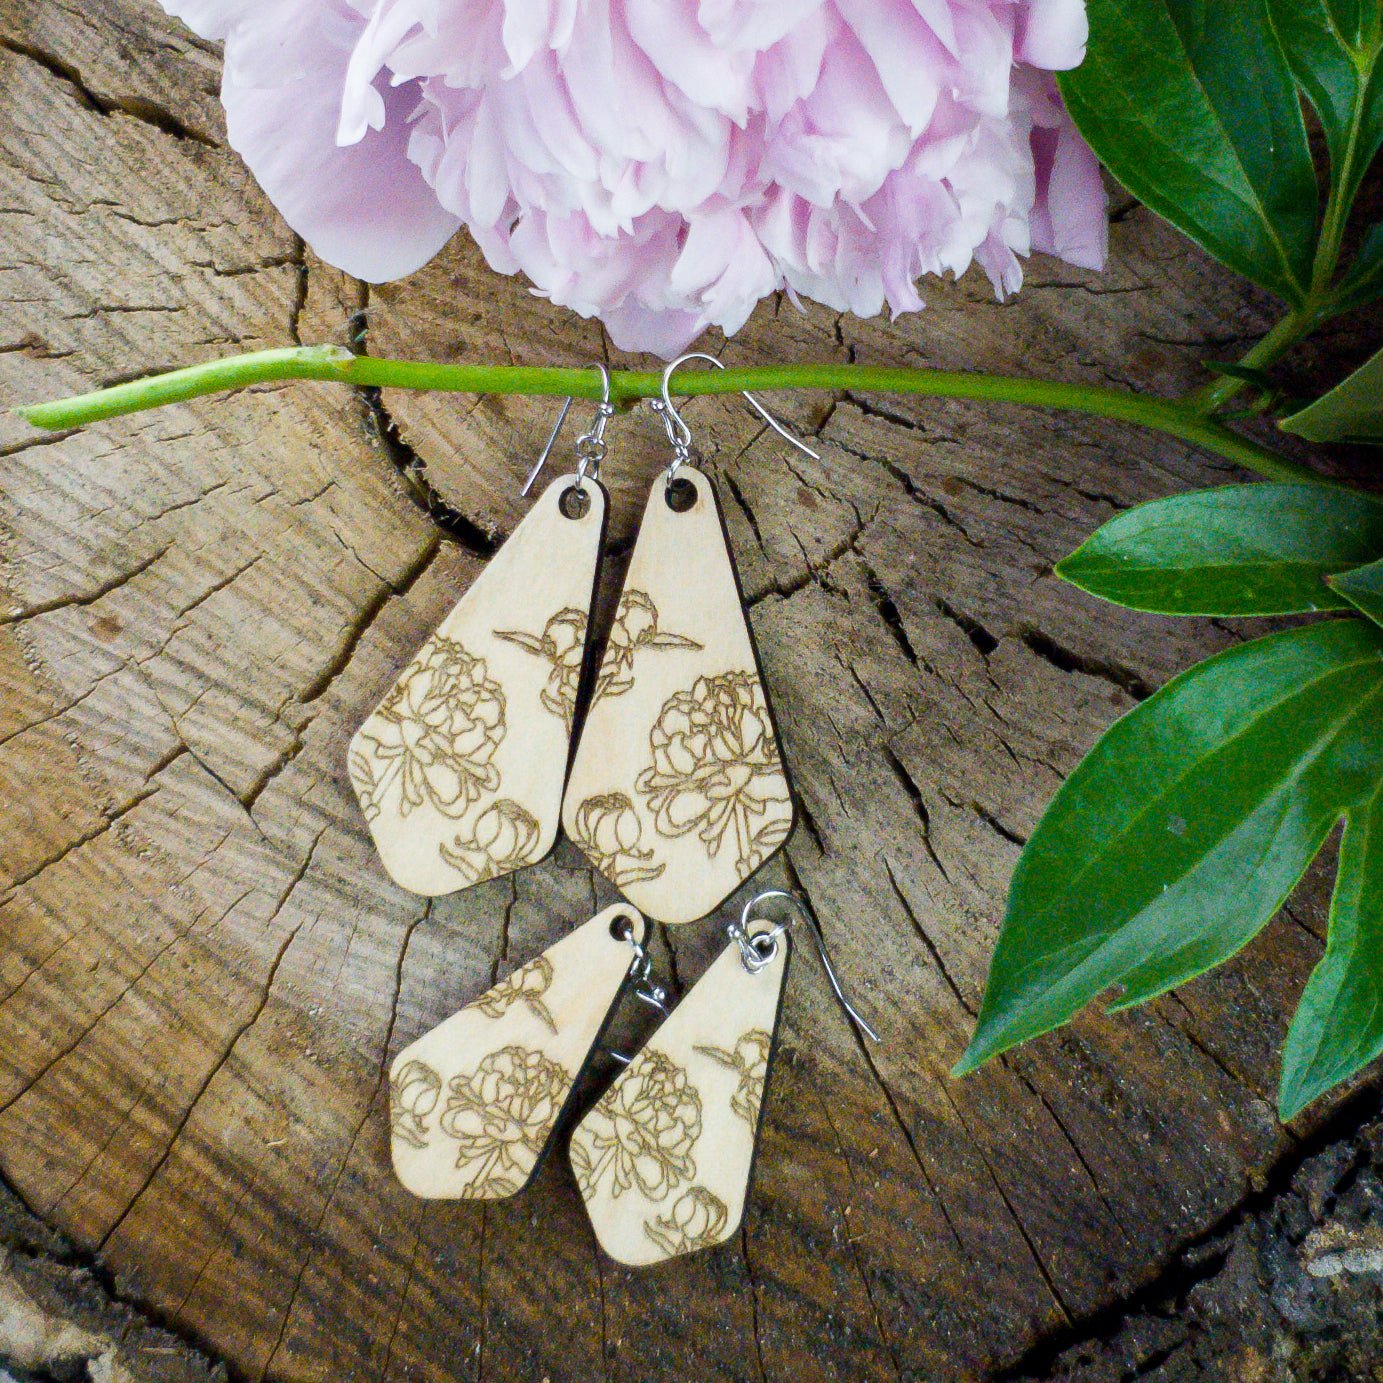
(205, 970)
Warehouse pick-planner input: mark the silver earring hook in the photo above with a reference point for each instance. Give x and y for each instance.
(645, 990)
(757, 949)
(590, 446)
(679, 434)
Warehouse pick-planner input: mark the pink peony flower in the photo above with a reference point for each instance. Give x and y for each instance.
(664, 164)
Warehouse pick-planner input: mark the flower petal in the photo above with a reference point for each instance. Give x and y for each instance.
(366, 208)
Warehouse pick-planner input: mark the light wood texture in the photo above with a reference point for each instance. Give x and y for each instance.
(663, 1158)
(472, 1104)
(678, 791)
(205, 971)
(460, 768)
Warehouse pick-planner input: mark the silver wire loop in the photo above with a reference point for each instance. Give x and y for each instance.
(679, 434)
(590, 445)
(759, 947)
(641, 973)
(641, 965)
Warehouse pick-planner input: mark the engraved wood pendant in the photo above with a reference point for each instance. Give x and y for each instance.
(678, 790)
(460, 768)
(473, 1103)
(663, 1159)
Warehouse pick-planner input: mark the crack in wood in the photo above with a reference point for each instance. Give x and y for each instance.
(753, 1300)
(850, 1244)
(924, 937)
(1064, 659)
(1199, 1257)
(919, 806)
(137, 107)
(81, 599)
(228, 1048)
(338, 664)
(92, 1278)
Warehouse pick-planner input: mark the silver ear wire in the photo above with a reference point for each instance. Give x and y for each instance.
(679, 434)
(645, 990)
(757, 948)
(590, 446)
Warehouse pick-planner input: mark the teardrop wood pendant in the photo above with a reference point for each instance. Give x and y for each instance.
(663, 1159)
(461, 767)
(473, 1103)
(678, 791)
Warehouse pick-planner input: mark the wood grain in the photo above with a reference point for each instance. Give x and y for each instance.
(678, 792)
(474, 1102)
(460, 769)
(204, 975)
(662, 1159)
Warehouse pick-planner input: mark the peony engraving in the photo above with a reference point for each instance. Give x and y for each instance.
(501, 1116)
(641, 1132)
(608, 829)
(525, 986)
(635, 628)
(434, 737)
(562, 645)
(696, 1221)
(716, 770)
(413, 1095)
(502, 838)
(748, 1057)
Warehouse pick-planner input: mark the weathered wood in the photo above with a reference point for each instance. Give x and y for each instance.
(204, 969)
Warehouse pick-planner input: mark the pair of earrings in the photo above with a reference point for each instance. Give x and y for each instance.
(663, 1159)
(676, 790)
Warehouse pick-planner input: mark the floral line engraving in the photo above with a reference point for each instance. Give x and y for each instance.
(562, 645)
(696, 1221)
(434, 737)
(635, 628)
(716, 770)
(608, 829)
(413, 1095)
(501, 839)
(641, 1132)
(501, 1116)
(525, 986)
(748, 1057)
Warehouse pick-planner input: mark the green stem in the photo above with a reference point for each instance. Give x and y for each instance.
(1338, 203)
(336, 364)
(1316, 305)
(1272, 347)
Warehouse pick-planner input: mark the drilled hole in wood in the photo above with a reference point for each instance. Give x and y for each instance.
(680, 494)
(574, 503)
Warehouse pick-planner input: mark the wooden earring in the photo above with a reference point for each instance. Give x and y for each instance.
(678, 790)
(460, 769)
(473, 1103)
(663, 1160)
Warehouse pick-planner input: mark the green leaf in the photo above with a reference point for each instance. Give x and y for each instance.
(1333, 48)
(1241, 550)
(1363, 588)
(1338, 1026)
(1351, 412)
(1186, 826)
(1190, 104)
(1364, 281)
(1258, 378)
